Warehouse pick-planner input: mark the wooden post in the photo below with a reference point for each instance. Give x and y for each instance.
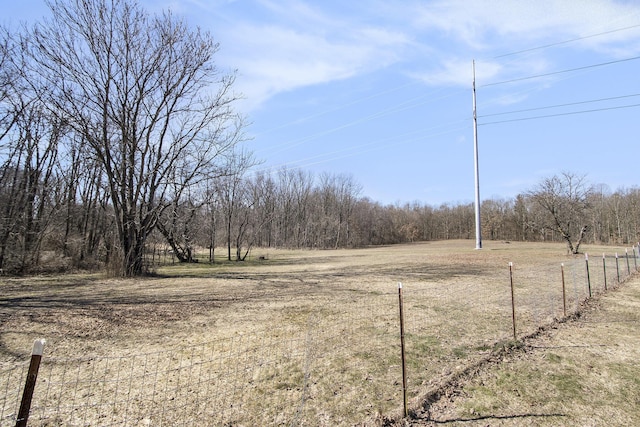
(30, 383)
(617, 267)
(402, 350)
(513, 301)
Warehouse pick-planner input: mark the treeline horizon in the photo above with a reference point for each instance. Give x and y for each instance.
(292, 208)
(73, 227)
(119, 135)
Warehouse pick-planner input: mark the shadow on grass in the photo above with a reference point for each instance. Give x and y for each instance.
(496, 417)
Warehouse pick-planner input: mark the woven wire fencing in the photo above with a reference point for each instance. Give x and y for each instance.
(333, 364)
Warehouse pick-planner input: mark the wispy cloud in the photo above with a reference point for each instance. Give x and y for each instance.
(474, 23)
(296, 45)
(281, 46)
(490, 28)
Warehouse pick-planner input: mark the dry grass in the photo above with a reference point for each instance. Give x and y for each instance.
(580, 373)
(303, 337)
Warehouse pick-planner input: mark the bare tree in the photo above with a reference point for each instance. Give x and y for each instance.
(599, 221)
(177, 226)
(623, 208)
(30, 139)
(30, 187)
(232, 194)
(10, 63)
(85, 221)
(264, 192)
(565, 199)
(145, 94)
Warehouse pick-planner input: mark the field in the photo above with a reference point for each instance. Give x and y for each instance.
(288, 337)
(580, 373)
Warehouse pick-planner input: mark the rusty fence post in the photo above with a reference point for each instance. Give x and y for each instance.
(30, 383)
(617, 267)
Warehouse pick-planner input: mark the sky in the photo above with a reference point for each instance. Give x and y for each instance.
(381, 90)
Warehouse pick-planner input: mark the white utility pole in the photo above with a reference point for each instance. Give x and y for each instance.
(475, 155)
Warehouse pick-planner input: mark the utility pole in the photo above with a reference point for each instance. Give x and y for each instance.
(475, 155)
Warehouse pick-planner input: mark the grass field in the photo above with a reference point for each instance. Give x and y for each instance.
(296, 338)
(583, 372)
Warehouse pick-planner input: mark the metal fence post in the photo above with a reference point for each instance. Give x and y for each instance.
(564, 292)
(513, 301)
(402, 349)
(30, 383)
(586, 260)
(604, 269)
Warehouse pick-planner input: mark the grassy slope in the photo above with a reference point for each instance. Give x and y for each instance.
(583, 372)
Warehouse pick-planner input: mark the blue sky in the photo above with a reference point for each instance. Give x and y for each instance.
(381, 90)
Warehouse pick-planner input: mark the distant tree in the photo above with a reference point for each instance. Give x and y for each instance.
(565, 200)
(30, 140)
(9, 74)
(623, 206)
(10, 110)
(347, 191)
(264, 193)
(178, 226)
(522, 224)
(232, 194)
(495, 218)
(144, 93)
(294, 209)
(599, 229)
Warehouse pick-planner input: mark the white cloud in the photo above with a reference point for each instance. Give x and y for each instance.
(489, 28)
(290, 53)
(458, 72)
(280, 46)
(474, 21)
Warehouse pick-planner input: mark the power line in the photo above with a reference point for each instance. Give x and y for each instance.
(566, 41)
(382, 143)
(406, 105)
(559, 105)
(415, 102)
(339, 107)
(560, 114)
(412, 102)
(602, 64)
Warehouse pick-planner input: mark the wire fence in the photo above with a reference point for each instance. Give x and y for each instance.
(337, 364)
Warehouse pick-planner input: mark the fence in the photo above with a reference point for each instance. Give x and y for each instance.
(332, 365)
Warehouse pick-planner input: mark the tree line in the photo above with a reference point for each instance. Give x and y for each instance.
(109, 118)
(118, 138)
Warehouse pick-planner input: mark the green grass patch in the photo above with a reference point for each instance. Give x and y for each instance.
(553, 358)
